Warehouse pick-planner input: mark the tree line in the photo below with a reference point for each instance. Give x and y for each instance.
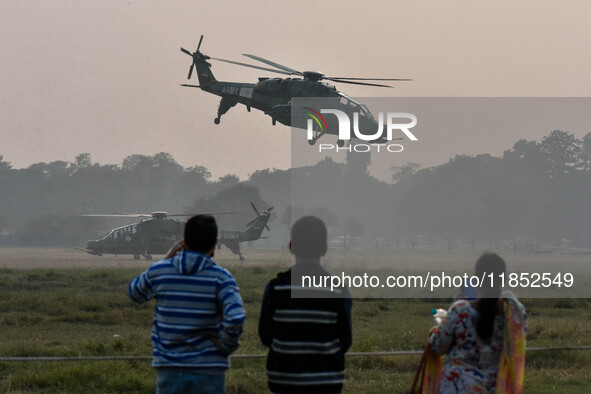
(539, 191)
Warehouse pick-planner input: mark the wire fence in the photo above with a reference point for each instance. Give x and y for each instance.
(255, 356)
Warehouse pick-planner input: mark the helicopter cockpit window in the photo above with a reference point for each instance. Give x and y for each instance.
(363, 111)
(110, 234)
(351, 104)
(355, 106)
(121, 232)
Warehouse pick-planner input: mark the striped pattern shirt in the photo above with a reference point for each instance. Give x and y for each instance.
(307, 337)
(196, 300)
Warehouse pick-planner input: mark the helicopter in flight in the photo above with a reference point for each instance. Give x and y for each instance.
(273, 96)
(157, 232)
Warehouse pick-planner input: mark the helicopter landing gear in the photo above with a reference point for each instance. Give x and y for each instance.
(241, 258)
(148, 256)
(136, 256)
(225, 104)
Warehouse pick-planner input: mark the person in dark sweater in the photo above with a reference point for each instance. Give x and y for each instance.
(307, 337)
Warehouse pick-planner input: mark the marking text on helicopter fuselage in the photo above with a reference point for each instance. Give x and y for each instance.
(228, 235)
(231, 90)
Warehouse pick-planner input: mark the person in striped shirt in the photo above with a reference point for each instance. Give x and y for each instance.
(199, 313)
(308, 331)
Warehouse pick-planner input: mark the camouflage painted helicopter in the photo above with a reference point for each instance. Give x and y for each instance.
(273, 95)
(157, 232)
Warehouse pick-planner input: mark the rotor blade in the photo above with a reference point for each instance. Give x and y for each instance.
(251, 66)
(268, 210)
(255, 208)
(203, 213)
(359, 83)
(190, 86)
(251, 222)
(270, 63)
(190, 71)
(370, 79)
(199, 45)
(187, 52)
(120, 215)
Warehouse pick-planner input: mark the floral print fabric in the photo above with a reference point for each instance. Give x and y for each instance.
(471, 365)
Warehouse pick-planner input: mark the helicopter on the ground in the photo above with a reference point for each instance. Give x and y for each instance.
(273, 95)
(157, 232)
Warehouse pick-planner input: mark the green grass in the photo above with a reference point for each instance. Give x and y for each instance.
(85, 312)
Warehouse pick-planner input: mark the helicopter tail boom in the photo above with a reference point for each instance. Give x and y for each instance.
(258, 224)
(202, 67)
(206, 78)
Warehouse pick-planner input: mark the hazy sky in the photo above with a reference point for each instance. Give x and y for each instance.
(103, 76)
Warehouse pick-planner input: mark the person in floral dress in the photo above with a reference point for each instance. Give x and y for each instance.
(482, 337)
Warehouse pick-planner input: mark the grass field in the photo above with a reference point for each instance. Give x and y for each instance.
(58, 302)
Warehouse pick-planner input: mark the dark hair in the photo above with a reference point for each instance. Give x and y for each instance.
(308, 237)
(201, 233)
(488, 304)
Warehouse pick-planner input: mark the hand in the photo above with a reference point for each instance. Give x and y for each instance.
(178, 247)
(216, 341)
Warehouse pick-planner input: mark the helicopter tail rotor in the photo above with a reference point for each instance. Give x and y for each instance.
(199, 45)
(255, 209)
(267, 212)
(194, 56)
